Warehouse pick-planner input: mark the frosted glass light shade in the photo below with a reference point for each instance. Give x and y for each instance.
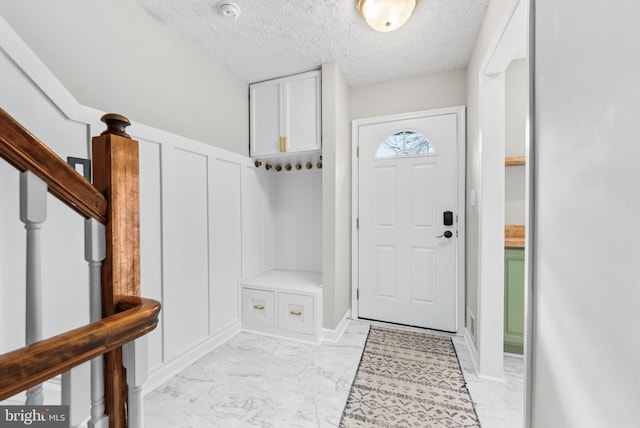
(386, 15)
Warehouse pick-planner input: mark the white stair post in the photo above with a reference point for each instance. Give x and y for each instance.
(33, 212)
(135, 360)
(94, 254)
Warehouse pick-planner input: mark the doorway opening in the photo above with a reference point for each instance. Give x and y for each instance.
(503, 201)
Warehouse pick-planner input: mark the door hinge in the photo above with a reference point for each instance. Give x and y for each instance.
(357, 222)
(357, 151)
(357, 294)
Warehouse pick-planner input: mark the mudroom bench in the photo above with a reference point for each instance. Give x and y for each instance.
(283, 303)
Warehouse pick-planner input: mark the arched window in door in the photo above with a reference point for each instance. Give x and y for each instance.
(405, 143)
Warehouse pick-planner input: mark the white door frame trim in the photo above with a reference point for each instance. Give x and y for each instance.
(510, 32)
(460, 253)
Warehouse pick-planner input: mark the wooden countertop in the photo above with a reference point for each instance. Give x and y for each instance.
(514, 236)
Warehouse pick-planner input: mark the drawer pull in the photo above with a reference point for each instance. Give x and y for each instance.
(258, 307)
(295, 313)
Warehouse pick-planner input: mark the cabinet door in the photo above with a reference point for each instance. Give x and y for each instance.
(513, 300)
(295, 313)
(302, 112)
(266, 117)
(258, 307)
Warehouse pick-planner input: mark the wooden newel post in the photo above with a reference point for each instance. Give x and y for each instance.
(115, 175)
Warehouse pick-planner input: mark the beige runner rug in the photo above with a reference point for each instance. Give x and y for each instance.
(408, 379)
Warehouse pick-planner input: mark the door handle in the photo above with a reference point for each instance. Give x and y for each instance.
(447, 234)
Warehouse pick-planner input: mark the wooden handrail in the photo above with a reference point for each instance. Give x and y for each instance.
(25, 152)
(31, 365)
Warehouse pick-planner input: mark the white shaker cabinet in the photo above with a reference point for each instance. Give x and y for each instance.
(285, 115)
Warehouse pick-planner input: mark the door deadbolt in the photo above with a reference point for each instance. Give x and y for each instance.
(447, 218)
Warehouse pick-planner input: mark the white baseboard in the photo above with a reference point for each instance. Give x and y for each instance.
(334, 335)
(175, 366)
(473, 353)
(492, 378)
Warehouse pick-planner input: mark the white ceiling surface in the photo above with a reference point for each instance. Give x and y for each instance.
(273, 38)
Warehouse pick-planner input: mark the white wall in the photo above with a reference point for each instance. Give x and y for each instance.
(515, 131)
(446, 89)
(587, 275)
(336, 197)
(114, 56)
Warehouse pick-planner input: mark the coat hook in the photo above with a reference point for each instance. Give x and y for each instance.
(268, 166)
(319, 165)
(298, 166)
(278, 167)
(288, 167)
(309, 165)
(258, 164)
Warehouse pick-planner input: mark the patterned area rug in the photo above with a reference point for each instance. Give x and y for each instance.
(408, 379)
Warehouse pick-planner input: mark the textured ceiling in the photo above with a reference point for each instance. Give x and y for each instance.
(273, 38)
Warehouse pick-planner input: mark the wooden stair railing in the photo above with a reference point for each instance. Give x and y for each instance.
(34, 364)
(112, 200)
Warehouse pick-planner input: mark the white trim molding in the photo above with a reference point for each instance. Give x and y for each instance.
(334, 335)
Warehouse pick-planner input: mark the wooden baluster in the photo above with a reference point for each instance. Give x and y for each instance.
(94, 254)
(115, 171)
(33, 212)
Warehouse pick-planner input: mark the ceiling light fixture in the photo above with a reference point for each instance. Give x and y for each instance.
(229, 9)
(386, 15)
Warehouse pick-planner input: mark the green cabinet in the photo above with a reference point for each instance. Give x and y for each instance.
(513, 300)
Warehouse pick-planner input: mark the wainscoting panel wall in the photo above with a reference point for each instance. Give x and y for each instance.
(191, 211)
(186, 249)
(151, 238)
(226, 240)
(257, 222)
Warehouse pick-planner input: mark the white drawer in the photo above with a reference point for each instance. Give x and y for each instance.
(258, 307)
(295, 313)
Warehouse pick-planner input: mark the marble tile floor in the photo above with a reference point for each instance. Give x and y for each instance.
(261, 381)
(498, 405)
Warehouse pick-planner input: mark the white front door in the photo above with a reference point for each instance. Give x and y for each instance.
(407, 212)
